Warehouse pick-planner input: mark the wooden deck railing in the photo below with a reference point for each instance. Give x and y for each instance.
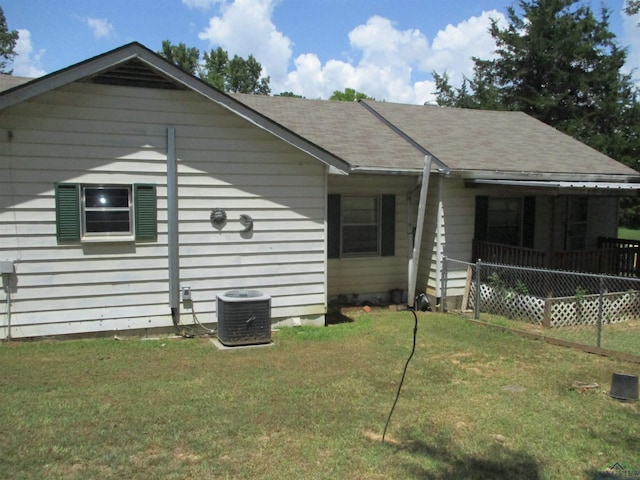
(613, 256)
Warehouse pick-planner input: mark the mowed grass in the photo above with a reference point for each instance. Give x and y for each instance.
(628, 233)
(477, 403)
(622, 337)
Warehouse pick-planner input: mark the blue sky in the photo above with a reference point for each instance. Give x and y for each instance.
(385, 48)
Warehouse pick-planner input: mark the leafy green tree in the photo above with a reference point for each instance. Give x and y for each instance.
(479, 92)
(349, 95)
(632, 7)
(288, 94)
(237, 75)
(8, 39)
(181, 56)
(214, 67)
(243, 76)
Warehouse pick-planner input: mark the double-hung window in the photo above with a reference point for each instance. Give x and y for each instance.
(361, 225)
(107, 210)
(110, 212)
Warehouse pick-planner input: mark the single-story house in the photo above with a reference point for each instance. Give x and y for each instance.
(133, 194)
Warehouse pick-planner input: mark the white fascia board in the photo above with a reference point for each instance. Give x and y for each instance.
(575, 185)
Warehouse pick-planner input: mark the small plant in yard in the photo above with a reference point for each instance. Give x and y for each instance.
(477, 403)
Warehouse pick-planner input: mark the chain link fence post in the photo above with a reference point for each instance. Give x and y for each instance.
(445, 279)
(600, 310)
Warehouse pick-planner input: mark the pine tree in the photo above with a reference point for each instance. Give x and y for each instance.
(8, 41)
(562, 65)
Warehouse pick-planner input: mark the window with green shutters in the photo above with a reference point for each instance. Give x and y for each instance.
(106, 211)
(361, 225)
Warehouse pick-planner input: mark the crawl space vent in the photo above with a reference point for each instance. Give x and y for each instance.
(244, 318)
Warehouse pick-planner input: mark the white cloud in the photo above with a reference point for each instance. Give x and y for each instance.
(101, 27)
(631, 39)
(396, 65)
(203, 4)
(454, 46)
(389, 63)
(26, 63)
(259, 36)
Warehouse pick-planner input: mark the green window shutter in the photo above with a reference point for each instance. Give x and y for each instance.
(146, 212)
(333, 226)
(67, 212)
(388, 226)
(528, 221)
(482, 218)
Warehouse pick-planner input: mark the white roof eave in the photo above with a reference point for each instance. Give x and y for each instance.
(562, 184)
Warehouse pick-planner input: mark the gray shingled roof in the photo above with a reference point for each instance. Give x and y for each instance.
(346, 129)
(497, 141)
(10, 81)
(463, 140)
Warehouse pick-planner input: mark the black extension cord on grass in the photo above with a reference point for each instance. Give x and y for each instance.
(404, 372)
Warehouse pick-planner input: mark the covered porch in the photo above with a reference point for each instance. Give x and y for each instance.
(613, 256)
(556, 225)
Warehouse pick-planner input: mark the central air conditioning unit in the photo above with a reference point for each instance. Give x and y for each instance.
(244, 318)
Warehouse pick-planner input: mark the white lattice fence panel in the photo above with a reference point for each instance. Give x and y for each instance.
(585, 310)
(509, 304)
(622, 307)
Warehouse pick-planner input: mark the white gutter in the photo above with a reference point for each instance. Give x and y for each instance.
(386, 170)
(172, 226)
(579, 185)
(415, 257)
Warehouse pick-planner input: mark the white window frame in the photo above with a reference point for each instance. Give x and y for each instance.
(85, 209)
(377, 223)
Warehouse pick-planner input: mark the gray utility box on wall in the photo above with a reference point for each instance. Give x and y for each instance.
(244, 317)
(7, 266)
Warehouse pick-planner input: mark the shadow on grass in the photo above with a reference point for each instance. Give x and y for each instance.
(500, 463)
(336, 318)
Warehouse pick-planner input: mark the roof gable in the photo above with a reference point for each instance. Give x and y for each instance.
(135, 65)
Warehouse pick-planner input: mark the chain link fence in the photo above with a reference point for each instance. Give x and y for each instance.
(589, 309)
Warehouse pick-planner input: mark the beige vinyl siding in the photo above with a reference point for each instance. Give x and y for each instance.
(374, 276)
(453, 205)
(85, 133)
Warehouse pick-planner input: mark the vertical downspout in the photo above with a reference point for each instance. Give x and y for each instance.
(439, 251)
(172, 226)
(415, 257)
(326, 239)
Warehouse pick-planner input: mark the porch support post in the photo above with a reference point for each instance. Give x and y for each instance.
(415, 257)
(439, 251)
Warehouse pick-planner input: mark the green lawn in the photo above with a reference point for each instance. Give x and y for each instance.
(622, 337)
(477, 403)
(628, 234)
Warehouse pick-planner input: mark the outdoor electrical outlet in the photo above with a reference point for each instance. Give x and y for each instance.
(186, 293)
